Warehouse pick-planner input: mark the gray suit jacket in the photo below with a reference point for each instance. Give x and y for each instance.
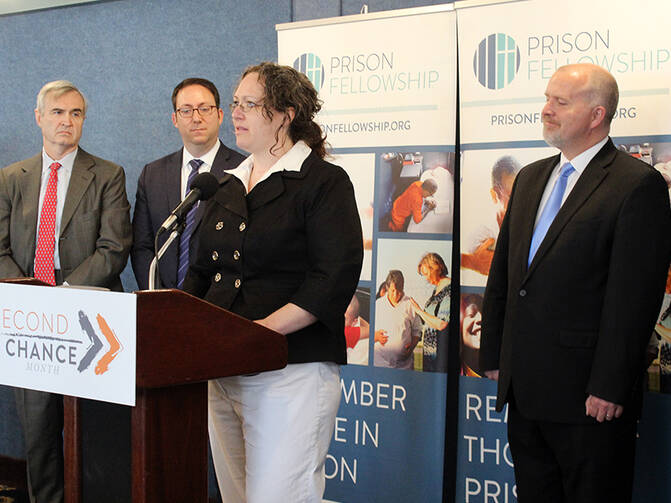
(95, 235)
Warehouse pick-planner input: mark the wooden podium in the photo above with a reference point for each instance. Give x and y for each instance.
(182, 342)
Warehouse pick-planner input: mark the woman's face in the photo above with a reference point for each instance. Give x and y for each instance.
(472, 321)
(431, 275)
(254, 130)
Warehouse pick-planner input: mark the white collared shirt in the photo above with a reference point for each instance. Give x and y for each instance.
(579, 163)
(291, 161)
(64, 174)
(206, 167)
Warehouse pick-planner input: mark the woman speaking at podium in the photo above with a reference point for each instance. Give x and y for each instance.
(280, 244)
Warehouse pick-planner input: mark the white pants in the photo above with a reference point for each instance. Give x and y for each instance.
(270, 433)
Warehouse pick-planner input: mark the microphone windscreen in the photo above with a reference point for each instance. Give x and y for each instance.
(207, 183)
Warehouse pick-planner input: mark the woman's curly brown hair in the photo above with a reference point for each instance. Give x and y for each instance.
(287, 88)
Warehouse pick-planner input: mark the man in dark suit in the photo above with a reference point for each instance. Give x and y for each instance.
(573, 293)
(64, 218)
(164, 183)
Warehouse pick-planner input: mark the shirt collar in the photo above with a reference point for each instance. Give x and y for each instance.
(581, 161)
(66, 162)
(207, 158)
(291, 161)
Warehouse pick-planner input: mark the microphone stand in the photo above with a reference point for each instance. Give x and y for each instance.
(153, 267)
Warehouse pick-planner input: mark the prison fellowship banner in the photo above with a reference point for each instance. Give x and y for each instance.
(388, 83)
(385, 78)
(507, 54)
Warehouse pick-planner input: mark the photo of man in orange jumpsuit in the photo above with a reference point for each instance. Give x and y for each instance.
(412, 203)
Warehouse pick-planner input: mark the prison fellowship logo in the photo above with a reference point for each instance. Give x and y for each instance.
(312, 67)
(496, 61)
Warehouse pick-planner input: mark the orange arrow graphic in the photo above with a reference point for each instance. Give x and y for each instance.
(115, 346)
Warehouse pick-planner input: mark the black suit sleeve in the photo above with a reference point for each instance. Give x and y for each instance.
(638, 267)
(142, 252)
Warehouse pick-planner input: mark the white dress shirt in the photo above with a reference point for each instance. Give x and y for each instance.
(206, 167)
(579, 163)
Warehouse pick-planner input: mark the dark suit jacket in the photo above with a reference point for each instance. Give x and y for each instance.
(158, 193)
(577, 321)
(95, 234)
(296, 237)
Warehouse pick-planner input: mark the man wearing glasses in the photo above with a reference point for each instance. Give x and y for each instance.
(165, 182)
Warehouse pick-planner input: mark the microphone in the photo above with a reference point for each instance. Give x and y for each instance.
(203, 187)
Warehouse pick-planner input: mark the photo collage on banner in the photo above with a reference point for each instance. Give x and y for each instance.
(389, 102)
(507, 54)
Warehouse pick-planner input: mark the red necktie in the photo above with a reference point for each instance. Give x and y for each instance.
(44, 254)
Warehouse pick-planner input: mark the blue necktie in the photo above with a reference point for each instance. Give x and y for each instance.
(550, 211)
(185, 238)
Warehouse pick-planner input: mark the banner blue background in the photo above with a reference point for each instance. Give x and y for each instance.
(407, 462)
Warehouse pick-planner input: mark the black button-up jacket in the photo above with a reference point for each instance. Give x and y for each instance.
(296, 237)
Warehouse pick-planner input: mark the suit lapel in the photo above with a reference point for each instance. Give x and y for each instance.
(274, 186)
(173, 196)
(30, 194)
(80, 179)
(232, 195)
(220, 164)
(589, 180)
(173, 180)
(265, 191)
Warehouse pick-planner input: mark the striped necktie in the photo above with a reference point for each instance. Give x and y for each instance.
(185, 238)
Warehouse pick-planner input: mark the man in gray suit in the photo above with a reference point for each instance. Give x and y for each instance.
(64, 218)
